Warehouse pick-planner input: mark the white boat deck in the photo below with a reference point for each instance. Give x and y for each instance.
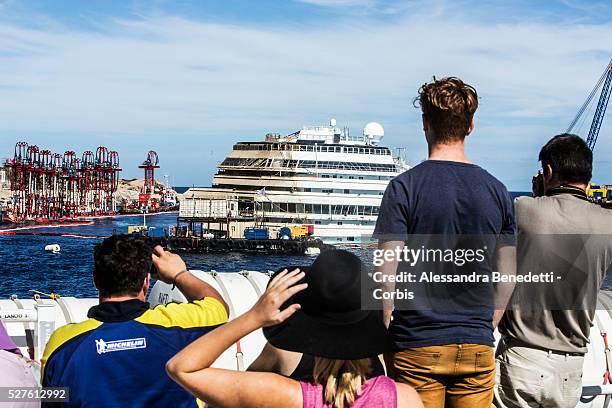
(31, 321)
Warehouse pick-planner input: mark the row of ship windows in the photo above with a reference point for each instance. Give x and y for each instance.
(349, 177)
(297, 189)
(318, 222)
(311, 148)
(308, 164)
(249, 173)
(325, 209)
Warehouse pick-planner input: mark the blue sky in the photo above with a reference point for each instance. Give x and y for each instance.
(190, 78)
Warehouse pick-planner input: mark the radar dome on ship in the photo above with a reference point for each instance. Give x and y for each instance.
(374, 132)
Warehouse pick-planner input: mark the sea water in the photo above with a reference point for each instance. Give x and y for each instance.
(25, 265)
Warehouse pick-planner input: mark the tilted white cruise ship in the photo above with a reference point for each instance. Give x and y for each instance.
(320, 176)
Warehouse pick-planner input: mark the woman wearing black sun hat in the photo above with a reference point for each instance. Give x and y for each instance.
(316, 313)
(296, 364)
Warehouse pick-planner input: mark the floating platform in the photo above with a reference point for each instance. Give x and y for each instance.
(205, 245)
(253, 246)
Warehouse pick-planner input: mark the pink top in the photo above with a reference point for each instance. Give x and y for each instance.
(378, 392)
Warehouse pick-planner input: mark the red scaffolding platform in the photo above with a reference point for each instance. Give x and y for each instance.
(48, 186)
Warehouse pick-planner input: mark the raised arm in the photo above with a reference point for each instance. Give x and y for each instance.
(172, 270)
(231, 389)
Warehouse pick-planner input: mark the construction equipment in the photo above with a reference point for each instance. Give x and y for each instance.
(600, 194)
(256, 233)
(149, 165)
(48, 186)
(605, 83)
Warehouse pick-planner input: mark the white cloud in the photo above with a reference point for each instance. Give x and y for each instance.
(168, 75)
(339, 3)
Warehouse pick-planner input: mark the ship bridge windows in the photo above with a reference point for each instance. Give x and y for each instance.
(246, 162)
(365, 150)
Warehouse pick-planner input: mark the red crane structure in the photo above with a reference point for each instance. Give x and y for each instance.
(48, 186)
(149, 165)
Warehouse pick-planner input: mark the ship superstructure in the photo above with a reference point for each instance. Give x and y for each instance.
(319, 176)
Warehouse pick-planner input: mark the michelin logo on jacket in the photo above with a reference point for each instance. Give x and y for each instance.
(120, 345)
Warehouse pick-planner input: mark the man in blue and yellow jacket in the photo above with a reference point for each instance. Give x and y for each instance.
(117, 357)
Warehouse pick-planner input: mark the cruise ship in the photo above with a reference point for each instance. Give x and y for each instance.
(321, 177)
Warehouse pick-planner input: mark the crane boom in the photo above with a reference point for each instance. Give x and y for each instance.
(600, 111)
(605, 82)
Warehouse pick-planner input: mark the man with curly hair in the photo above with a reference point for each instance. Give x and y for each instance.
(445, 354)
(117, 357)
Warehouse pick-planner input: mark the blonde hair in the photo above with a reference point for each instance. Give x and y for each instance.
(341, 379)
(449, 105)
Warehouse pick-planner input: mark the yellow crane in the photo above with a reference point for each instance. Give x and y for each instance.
(600, 193)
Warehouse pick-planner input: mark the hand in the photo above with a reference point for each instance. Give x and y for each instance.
(267, 309)
(168, 264)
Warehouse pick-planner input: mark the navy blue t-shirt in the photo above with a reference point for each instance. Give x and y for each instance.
(444, 197)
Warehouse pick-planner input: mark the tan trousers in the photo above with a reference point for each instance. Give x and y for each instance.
(528, 377)
(454, 376)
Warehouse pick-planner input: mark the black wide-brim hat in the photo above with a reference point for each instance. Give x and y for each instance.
(330, 322)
